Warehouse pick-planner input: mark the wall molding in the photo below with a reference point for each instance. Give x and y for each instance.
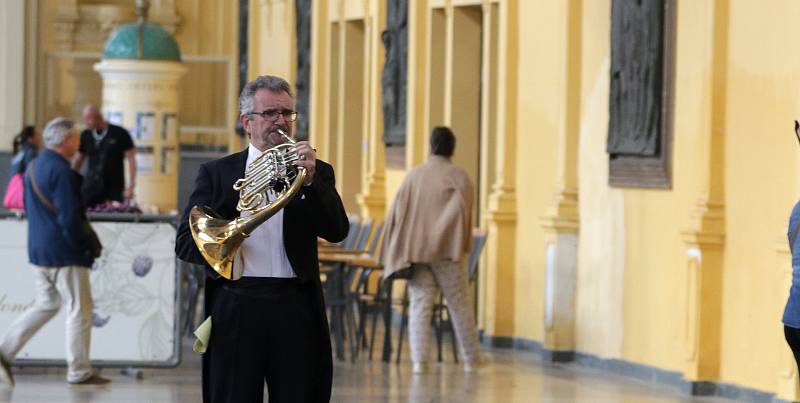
(632, 370)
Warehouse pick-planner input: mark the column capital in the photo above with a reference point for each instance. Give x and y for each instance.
(707, 225)
(373, 199)
(502, 205)
(562, 215)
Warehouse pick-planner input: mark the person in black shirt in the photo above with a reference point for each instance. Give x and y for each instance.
(106, 145)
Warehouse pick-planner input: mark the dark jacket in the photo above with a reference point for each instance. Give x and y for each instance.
(27, 152)
(791, 312)
(56, 238)
(316, 210)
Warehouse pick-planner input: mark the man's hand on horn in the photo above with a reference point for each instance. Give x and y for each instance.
(307, 159)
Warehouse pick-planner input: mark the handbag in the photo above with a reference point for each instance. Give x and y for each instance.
(13, 199)
(94, 241)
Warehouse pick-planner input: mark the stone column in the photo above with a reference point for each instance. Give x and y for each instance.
(320, 129)
(502, 212)
(142, 96)
(561, 243)
(12, 70)
(372, 198)
(417, 81)
(561, 222)
(705, 237)
(704, 252)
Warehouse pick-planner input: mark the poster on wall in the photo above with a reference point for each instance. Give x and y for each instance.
(145, 126)
(169, 126)
(169, 160)
(144, 159)
(114, 117)
(134, 291)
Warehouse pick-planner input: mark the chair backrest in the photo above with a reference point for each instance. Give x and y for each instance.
(363, 236)
(352, 233)
(377, 236)
(478, 242)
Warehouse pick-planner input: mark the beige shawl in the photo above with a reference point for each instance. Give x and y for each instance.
(431, 217)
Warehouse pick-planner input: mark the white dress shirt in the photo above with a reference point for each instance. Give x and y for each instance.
(263, 253)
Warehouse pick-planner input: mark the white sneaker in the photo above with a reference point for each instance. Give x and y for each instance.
(419, 368)
(5, 372)
(92, 379)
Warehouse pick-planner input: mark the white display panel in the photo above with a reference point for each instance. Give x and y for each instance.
(134, 289)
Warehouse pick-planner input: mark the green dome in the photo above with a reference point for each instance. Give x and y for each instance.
(158, 43)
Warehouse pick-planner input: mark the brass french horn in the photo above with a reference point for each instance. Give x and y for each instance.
(219, 239)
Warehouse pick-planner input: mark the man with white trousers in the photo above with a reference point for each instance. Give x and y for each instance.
(61, 249)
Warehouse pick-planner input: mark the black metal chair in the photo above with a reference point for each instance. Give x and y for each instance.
(358, 292)
(353, 234)
(350, 275)
(194, 277)
(336, 295)
(384, 301)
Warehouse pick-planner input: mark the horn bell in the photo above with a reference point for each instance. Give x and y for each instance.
(219, 239)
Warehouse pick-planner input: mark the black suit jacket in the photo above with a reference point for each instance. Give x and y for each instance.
(316, 210)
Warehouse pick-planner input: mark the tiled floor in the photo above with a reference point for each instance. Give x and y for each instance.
(511, 377)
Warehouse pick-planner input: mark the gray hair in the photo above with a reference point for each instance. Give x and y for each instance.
(56, 131)
(271, 83)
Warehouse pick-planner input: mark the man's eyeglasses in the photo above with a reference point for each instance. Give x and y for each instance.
(272, 114)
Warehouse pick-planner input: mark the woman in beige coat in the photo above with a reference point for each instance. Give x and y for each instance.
(428, 231)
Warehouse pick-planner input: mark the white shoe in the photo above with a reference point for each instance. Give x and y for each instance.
(419, 368)
(5, 372)
(92, 379)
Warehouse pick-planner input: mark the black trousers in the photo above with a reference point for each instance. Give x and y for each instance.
(793, 338)
(263, 329)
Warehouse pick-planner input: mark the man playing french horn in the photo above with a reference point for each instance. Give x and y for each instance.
(263, 291)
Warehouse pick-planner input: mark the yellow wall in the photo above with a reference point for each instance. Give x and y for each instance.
(601, 246)
(545, 70)
(272, 47)
(632, 260)
(209, 32)
(394, 177)
(536, 153)
(346, 123)
(736, 83)
(545, 75)
(207, 27)
(632, 301)
(631, 283)
(761, 181)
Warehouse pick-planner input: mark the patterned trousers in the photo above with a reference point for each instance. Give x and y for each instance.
(451, 277)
